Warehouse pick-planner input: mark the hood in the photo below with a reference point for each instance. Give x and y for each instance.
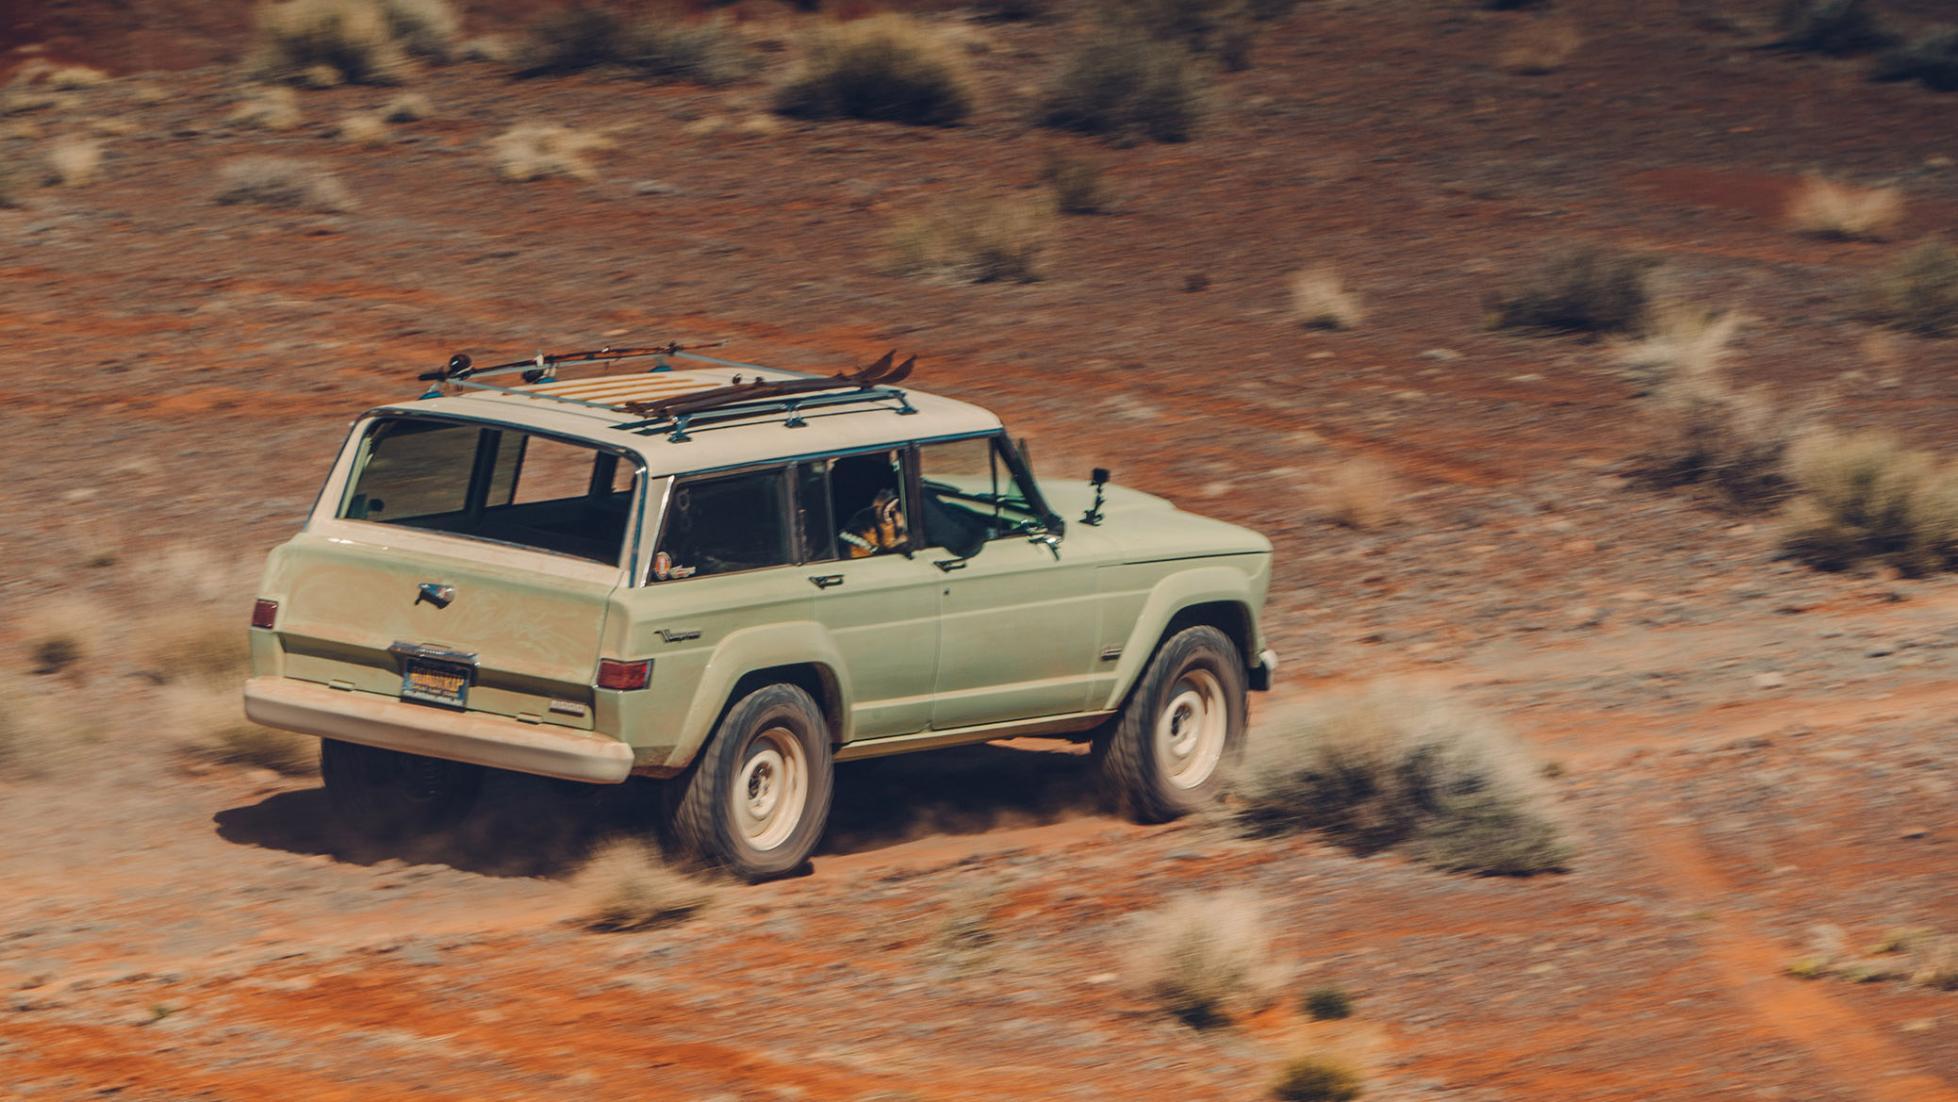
(1140, 526)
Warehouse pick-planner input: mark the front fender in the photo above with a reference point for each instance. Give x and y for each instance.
(739, 653)
(1199, 585)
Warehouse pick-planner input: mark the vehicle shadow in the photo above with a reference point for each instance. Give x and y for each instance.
(528, 826)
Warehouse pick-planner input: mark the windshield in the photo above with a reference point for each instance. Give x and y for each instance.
(497, 484)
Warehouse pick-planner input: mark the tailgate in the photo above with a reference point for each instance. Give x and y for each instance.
(354, 615)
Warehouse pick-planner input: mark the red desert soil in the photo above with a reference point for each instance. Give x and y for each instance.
(1748, 748)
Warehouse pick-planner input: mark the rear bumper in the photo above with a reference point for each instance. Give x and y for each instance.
(472, 737)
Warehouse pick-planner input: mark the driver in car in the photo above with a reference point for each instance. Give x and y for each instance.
(876, 528)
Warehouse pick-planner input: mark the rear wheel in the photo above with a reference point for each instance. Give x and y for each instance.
(1171, 749)
(389, 794)
(758, 797)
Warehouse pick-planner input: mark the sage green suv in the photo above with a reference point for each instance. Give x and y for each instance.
(730, 578)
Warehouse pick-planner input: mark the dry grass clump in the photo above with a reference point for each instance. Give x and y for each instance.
(283, 182)
(1222, 29)
(628, 887)
(1820, 207)
(1681, 338)
(1585, 289)
(1125, 86)
(1865, 497)
(362, 129)
(1205, 958)
(1930, 59)
(888, 68)
(1833, 27)
(1387, 767)
(354, 39)
(1317, 1079)
(275, 108)
(208, 717)
(60, 635)
(663, 47)
(73, 161)
(992, 242)
(31, 744)
(1918, 292)
(1913, 955)
(1321, 301)
(407, 107)
(1077, 184)
(1361, 493)
(1539, 47)
(538, 151)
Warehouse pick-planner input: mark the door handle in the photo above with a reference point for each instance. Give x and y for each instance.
(949, 565)
(824, 581)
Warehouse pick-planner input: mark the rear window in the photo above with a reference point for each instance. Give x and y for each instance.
(494, 484)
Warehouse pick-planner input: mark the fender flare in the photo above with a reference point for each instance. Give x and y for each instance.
(1187, 588)
(740, 653)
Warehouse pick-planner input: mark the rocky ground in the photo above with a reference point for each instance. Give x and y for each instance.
(1746, 748)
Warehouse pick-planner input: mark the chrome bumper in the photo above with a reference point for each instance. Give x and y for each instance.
(496, 741)
(1267, 667)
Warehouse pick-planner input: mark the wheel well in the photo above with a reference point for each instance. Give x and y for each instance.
(817, 680)
(1229, 617)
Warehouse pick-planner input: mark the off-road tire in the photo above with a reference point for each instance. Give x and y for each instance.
(757, 798)
(1141, 773)
(386, 794)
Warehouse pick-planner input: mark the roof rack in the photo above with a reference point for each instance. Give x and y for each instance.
(676, 413)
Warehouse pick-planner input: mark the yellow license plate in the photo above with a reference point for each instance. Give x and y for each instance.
(435, 683)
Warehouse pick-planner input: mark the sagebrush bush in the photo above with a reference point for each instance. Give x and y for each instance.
(1328, 1004)
(1704, 430)
(888, 68)
(363, 41)
(1320, 299)
(407, 107)
(61, 634)
(1578, 290)
(1205, 958)
(1360, 492)
(539, 151)
(275, 108)
(1539, 47)
(1077, 184)
(73, 161)
(1125, 86)
(1834, 27)
(283, 182)
(1821, 207)
(1866, 497)
(627, 887)
(207, 717)
(1389, 768)
(1223, 29)
(1931, 59)
(1317, 1079)
(669, 46)
(1918, 291)
(995, 242)
(1680, 338)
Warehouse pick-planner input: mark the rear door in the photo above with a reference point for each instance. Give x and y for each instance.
(462, 565)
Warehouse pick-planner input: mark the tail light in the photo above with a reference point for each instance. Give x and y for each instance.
(265, 613)
(624, 676)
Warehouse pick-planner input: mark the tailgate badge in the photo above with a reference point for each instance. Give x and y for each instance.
(437, 595)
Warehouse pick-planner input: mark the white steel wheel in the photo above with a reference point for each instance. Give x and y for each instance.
(1192, 729)
(771, 789)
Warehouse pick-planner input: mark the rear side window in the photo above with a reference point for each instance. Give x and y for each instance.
(494, 484)
(724, 524)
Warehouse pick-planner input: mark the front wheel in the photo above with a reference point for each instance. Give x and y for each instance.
(387, 794)
(758, 797)
(1182, 729)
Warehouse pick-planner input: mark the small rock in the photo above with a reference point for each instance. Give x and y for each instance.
(1195, 281)
(1585, 616)
(654, 187)
(1914, 833)
(1769, 680)
(1881, 650)
(1441, 355)
(1580, 546)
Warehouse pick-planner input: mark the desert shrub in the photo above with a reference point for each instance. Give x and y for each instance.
(663, 47)
(1865, 497)
(1833, 27)
(425, 28)
(407, 107)
(1539, 47)
(1327, 1004)
(1077, 184)
(1578, 290)
(1360, 492)
(60, 634)
(1917, 292)
(201, 644)
(354, 38)
(1823, 208)
(888, 68)
(274, 108)
(1222, 29)
(1931, 59)
(73, 162)
(1317, 1079)
(537, 151)
(1680, 338)
(1321, 301)
(978, 242)
(1013, 11)
(1387, 768)
(627, 887)
(283, 182)
(1205, 958)
(1125, 86)
(362, 129)
(208, 718)
(1934, 962)
(1704, 430)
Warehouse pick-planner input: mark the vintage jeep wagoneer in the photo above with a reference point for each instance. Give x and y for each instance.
(731, 577)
